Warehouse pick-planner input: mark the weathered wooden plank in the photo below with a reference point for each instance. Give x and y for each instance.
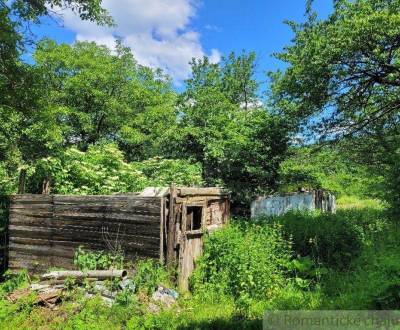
(132, 200)
(67, 248)
(144, 229)
(114, 216)
(30, 204)
(38, 264)
(195, 199)
(161, 233)
(25, 212)
(31, 198)
(16, 256)
(53, 248)
(87, 219)
(171, 230)
(91, 208)
(78, 235)
(110, 205)
(214, 191)
(45, 231)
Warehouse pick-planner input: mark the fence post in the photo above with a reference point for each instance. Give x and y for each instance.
(46, 186)
(171, 227)
(4, 205)
(22, 180)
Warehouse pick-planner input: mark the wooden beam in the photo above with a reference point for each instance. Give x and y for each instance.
(22, 180)
(171, 227)
(214, 191)
(46, 186)
(162, 215)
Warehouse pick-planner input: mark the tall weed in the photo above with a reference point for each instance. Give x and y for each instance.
(331, 240)
(244, 260)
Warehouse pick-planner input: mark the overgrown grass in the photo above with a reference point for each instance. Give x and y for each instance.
(353, 202)
(348, 260)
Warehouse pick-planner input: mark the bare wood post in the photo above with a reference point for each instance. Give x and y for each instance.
(162, 221)
(46, 186)
(171, 227)
(22, 180)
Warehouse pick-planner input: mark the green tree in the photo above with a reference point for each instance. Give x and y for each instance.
(343, 80)
(26, 129)
(96, 94)
(32, 10)
(329, 167)
(102, 169)
(344, 70)
(224, 126)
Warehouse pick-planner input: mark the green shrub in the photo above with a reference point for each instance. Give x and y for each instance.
(7, 182)
(333, 240)
(12, 282)
(97, 260)
(149, 274)
(373, 279)
(331, 168)
(103, 170)
(245, 260)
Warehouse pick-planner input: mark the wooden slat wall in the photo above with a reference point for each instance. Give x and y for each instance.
(4, 204)
(45, 230)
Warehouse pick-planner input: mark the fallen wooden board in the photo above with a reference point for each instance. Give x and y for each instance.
(99, 274)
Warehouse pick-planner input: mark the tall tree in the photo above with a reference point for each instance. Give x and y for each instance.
(26, 129)
(225, 127)
(99, 95)
(343, 77)
(344, 70)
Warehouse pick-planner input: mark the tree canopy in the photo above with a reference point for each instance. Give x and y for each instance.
(343, 81)
(344, 70)
(77, 103)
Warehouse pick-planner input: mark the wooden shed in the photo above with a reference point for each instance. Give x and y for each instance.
(168, 224)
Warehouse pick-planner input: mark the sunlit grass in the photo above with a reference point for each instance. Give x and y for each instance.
(353, 202)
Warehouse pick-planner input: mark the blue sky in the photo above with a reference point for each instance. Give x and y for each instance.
(168, 33)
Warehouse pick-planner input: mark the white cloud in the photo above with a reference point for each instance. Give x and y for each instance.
(158, 32)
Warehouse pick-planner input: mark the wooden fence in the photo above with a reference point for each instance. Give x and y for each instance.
(46, 230)
(4, 204)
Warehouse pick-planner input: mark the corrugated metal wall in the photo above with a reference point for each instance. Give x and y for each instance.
(45, 230)
(280, 204)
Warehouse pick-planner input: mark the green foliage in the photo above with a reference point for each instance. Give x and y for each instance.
(248, 268)
(328, 168)
(353, 202)
(86, 9)
(225, 126)
(70, 282)
(371, 283)
(342, 81)
(345, 67)
(332, 240)
(102, 170)
(245, 260)
(13, 282)
(27, 128)
(95, 94)
(162, 172)
(97, 260)
(7, 181)
(149, 274)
